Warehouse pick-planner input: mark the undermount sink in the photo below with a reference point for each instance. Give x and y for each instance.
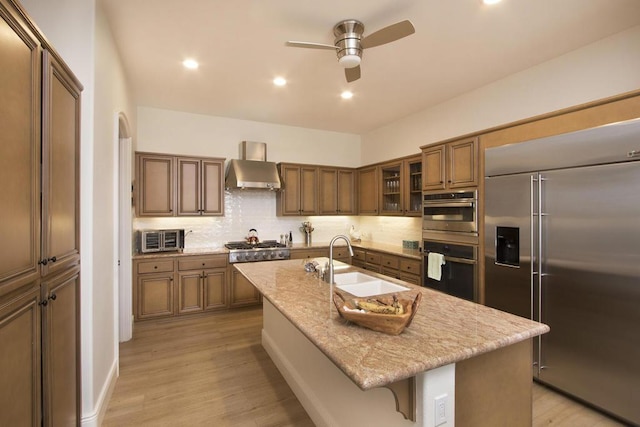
(363, 285)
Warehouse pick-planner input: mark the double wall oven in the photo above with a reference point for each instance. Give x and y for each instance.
(450, 231)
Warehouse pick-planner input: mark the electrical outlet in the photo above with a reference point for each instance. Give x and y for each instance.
(440, 409)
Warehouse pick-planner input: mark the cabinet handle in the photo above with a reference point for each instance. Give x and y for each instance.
(53, 297)
(44, 303)
(43, 262)
(53, 259)
(155, 267)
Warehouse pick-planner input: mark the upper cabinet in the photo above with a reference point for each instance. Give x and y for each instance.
(393, 188)
(368, 190)
(199, 187)
(450, 165)
(156, 184)
(179, 186)
(299, 195)
(412, 186)
(336, 191)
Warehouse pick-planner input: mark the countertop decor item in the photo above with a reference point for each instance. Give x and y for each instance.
(378, 313)
(307, 229)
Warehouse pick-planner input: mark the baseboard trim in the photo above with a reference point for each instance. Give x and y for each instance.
(95, 418)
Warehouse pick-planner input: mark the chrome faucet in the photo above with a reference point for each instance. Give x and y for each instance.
(329, 277)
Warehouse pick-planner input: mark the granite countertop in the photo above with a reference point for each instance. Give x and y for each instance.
(214, 250)
(444, 330)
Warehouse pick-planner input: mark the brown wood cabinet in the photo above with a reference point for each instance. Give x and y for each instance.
(171, 185)
(337, 191)
(242, 291)
(398, 266)
(397, 190)
(368, 190)
(174, 286)
(450, 165)
(202, 283)
(154, 288)
(39, 207)
(155, 177)
(299, 195)
(412, 186)
(200, 183)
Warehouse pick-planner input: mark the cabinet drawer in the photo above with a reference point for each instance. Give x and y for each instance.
(390, 262)
(341, 252)
(202, 262)
(309, 253)
(373, 258)
(156, 266)
(358, 254)
(411, 278)
(410, 266)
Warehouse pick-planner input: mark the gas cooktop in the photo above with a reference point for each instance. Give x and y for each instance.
(264, 251)
(267, 244)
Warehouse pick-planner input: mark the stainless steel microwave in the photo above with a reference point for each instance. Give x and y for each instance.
(160, 240)
(453, 211)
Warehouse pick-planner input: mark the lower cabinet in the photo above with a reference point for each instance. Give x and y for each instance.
(202, 283)
(61, 349)
(173, 286)
(400, 267)
(243, 293)
(20, 391)
(40, 369)
(340, 253)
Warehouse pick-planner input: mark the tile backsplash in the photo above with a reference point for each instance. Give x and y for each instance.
(246, 209)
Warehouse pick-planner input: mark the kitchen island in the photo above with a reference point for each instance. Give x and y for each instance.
(474, 360)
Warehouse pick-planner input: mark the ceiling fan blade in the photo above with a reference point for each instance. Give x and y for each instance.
(312, 45)
(388, 34)
(352, 74)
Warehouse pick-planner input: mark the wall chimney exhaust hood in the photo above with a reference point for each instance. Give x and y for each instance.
(252, 171)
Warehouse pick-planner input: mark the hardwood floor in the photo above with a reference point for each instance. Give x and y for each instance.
(554, 409)
(212, 371)
(202, 371)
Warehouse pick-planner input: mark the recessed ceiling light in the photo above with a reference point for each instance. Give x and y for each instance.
(191, 64)
(491, 1)
(279, 81)
(346, 94)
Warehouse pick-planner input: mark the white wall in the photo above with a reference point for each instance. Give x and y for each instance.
(199, 135)
(608, 67)
(111, 96)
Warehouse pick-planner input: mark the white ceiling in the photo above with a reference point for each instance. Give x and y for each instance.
(459, 45)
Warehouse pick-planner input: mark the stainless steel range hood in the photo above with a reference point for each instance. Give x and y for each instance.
(252, 171)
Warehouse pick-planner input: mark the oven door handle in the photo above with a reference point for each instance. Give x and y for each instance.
(460, 260)
(449, 205)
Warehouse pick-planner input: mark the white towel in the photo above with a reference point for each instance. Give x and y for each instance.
(435, 262)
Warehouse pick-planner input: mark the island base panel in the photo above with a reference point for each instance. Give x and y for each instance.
(329, 396)
(495, 388)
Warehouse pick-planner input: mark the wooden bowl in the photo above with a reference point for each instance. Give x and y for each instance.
(392, 324)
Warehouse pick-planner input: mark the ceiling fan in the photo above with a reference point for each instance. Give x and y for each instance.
(349, 42)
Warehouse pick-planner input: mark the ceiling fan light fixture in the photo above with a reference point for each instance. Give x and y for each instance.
(349, 61)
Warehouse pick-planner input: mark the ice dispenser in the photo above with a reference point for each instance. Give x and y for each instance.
(508, 246)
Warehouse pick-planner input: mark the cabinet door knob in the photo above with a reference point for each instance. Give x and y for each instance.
(53, 297)
(44, 303)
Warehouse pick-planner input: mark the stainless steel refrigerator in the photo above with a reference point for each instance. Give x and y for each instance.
(562, 246)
